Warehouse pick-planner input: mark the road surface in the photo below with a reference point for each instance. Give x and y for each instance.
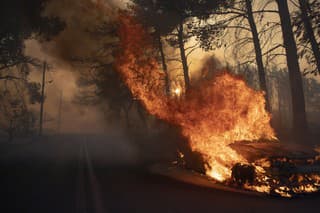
(83, 174)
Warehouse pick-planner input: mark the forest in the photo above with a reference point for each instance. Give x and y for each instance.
(274, 45)
(124, 105)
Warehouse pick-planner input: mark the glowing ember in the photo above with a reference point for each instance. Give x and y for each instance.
(177, 92)
(284, 183)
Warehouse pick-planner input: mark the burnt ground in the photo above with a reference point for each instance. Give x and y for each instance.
(84, 174)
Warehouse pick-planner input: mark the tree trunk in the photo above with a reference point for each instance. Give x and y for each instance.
(164, 66)
(300, 128)
(279, 103)
(257, 48)
(309, 31)
(142, 115)
(183, 57)
(10, 131)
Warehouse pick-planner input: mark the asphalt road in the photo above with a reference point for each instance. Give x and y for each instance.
(85, 174)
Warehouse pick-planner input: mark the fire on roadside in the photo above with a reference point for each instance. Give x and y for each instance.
(211, 116)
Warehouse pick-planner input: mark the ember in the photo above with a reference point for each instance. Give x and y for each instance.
(287, 177)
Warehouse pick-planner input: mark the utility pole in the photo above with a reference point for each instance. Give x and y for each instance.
(42, 96)
(60, 111)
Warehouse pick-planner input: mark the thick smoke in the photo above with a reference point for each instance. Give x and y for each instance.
(77, 41)
(83, 19)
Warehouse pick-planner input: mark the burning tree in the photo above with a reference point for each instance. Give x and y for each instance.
(224, 121)
(244, 19)
(212, 116)
(175, 20)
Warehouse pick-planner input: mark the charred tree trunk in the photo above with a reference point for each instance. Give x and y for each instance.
(300, 128)
(164, 65)
(309, 31)
(258, 52)
(183, 57)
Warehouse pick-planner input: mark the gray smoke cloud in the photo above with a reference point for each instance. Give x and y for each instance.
(76, 41)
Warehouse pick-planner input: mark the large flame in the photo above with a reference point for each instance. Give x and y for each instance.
(212, 115)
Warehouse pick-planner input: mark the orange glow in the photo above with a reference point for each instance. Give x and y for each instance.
(177, 91)
(211, 116)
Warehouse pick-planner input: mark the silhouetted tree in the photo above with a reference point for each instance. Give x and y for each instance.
(19, 20)
(300, 127)
(306, 22)
(240, 18)
(258, 51)
(182, 14)
(160, 23)
(100, 83)
(16, 117)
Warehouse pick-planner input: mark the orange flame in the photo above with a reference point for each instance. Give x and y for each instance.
(212, 115)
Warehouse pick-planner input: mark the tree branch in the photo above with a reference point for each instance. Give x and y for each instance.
(10, 77)
(272, 49)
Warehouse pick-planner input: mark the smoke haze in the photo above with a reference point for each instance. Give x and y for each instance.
(75, 42)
